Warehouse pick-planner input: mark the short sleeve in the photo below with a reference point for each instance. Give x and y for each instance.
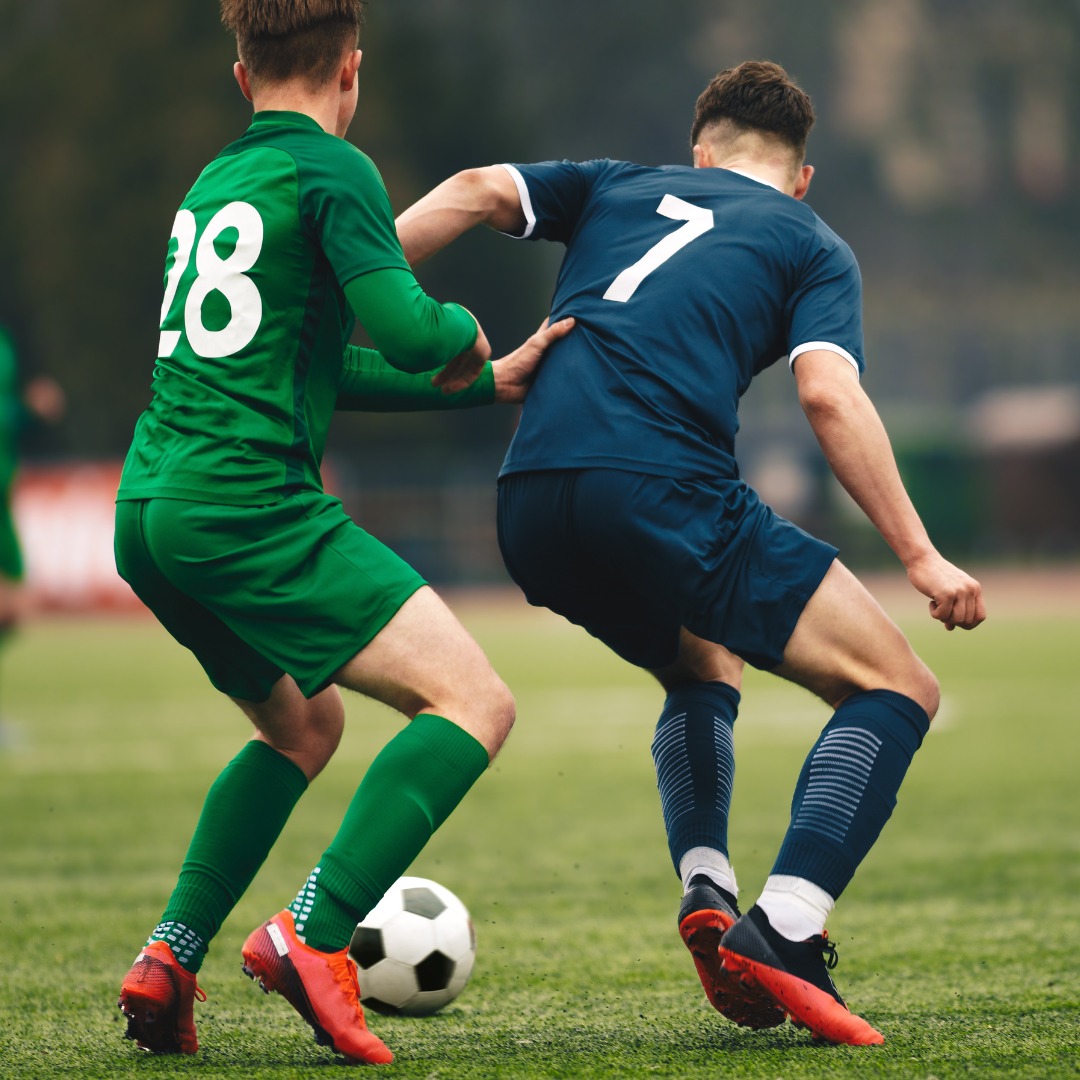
(345, 205)
(553, 195)
(825, 308)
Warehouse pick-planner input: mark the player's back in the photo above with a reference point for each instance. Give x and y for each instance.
(254, 318)
(685, 283)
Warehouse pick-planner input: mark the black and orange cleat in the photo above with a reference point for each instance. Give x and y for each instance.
(795, 974)
(158, 999)
(705, 913)
(321, 987)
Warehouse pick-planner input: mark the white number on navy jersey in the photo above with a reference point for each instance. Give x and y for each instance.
(215, 274)
(699, 221)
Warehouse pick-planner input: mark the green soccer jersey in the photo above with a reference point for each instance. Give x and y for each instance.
(255, 321)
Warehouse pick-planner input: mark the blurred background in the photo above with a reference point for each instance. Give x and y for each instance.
(947, 152)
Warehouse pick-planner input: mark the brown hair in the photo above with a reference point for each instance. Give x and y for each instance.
(756, 96)
(279, 40)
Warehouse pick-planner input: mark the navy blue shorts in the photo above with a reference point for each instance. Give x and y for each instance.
(633, 558)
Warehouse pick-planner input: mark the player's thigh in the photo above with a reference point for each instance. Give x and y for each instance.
(424, 660)
(845, 642)
(700, 661)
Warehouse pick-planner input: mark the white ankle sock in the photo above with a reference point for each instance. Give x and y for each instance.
(796, 908)
(710, 862)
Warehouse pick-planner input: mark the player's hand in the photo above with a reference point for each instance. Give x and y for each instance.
(465, 368)
(514, 373)
(955, 597)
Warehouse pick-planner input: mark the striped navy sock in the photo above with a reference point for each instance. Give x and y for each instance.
(847, 788)
(695, 765)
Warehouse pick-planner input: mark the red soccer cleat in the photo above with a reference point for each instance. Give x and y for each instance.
(706, 912)
(795, 974)
(158, 997)
(320, 986)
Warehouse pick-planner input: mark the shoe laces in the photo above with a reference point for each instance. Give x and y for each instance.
(828, 951)
(344, 973)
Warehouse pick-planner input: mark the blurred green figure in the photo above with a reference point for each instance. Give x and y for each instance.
(41, 401)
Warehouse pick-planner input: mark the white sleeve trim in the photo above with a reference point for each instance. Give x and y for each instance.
(825, 346)
(526, 202)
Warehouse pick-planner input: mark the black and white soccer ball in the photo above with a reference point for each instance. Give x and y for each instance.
(415, 951)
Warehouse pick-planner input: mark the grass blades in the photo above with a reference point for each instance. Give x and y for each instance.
(957, 938)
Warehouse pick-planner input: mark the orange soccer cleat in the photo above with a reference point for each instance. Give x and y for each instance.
(795, 974)
(158, 997)
(320, 986)
(706, 912)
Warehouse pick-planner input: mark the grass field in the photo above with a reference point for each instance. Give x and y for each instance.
(958, 939)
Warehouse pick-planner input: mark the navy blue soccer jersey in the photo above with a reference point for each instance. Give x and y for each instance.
(685, 283)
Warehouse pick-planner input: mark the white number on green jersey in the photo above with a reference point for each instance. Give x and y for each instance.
(215, 274)
(699, 221)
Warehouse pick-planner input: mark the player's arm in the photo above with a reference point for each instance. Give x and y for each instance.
(487, 196)
(413, 332)
(370, 384)
(858, 450)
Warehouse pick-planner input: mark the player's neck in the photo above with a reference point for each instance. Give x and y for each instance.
(321, 108)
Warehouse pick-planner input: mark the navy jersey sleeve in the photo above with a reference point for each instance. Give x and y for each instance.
(825, 308)
(553, 195)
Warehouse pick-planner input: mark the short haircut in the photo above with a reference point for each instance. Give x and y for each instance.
(756, 96)
(278, 40)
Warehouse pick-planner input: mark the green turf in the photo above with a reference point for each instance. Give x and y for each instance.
(958, 938)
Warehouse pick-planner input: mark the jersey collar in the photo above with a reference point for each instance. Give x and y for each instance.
(751, 176)
(282, 116)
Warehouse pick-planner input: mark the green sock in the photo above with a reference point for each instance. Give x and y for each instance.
(409, 791)
(245, 810)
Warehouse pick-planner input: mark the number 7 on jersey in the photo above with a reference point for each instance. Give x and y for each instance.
(699, 220)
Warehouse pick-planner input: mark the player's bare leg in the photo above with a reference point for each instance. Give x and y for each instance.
(424, 660)
(844, 642)
(305, 730)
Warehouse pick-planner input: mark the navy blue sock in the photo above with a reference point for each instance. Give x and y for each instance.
(695, 765)
(847, 788)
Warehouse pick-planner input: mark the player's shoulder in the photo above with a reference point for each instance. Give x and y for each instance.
(826, 239)
(321, 155)
(315, 153)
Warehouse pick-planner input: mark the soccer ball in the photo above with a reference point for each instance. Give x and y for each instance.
(415, 950)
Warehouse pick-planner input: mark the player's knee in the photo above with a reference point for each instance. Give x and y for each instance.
(313, 741)
(503, 710)
(495, 712)
(926, 689)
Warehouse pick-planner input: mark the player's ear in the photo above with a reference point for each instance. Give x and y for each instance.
(702, 156)
(802, 181)
(241, 76)
(349, 70)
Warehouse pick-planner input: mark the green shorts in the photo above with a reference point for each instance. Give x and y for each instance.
(295, 587)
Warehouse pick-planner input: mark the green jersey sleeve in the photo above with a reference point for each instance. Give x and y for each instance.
(370, 384)
(412, 331)
(347, 211)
